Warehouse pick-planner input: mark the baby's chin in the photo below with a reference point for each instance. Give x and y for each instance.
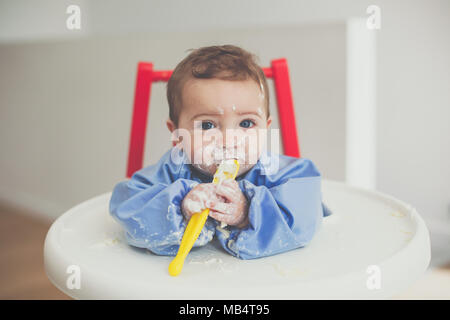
(211, 169)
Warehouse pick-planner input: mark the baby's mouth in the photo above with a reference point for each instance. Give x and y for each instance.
(223, 155)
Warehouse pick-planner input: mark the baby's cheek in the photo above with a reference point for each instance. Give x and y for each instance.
(247, 147)
(252, 152)
(248, 153)
(205, 156)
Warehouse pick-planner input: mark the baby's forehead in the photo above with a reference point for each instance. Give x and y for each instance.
(226, 109)
(217, 91)
(217, 83)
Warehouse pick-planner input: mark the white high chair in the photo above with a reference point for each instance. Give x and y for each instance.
(373, 246)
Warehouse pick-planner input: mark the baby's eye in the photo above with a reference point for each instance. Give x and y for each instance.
(247, 123)
(206, 125)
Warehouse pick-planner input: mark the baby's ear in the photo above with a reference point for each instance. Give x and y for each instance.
(170, 125)
(269, 121)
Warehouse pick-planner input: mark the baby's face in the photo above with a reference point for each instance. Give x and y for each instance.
(219, 120)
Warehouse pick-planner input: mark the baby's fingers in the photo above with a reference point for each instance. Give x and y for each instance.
(227, 192)
(220, 216)
(224, 208)
(231, 220)
(231, 184)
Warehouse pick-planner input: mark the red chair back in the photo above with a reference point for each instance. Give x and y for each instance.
(146, 76)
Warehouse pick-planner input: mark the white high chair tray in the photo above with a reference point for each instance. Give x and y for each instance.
(373, 246)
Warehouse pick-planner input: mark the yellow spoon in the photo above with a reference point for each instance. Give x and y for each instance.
(226, 170)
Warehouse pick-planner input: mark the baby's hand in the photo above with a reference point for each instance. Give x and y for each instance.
(232, 207)
(198, 199)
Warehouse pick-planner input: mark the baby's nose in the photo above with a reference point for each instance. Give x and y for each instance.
(233, 144)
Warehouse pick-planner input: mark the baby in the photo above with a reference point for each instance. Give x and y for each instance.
(218, 110)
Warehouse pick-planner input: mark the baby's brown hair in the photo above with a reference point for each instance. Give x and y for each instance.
(225, 62)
